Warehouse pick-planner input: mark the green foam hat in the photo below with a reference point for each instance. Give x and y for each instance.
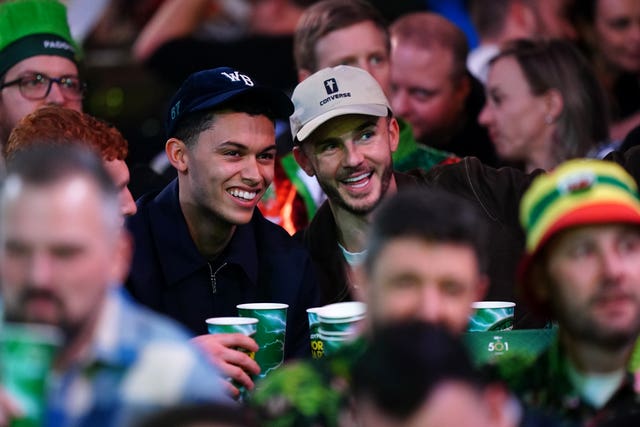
(34, 27)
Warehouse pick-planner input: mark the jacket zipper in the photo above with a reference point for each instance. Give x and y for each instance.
(212, 277)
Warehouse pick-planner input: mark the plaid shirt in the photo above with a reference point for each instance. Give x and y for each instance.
(545, 384)
(139, 362)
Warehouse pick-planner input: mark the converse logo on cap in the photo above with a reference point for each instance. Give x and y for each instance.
(236, 76)
(331, 86)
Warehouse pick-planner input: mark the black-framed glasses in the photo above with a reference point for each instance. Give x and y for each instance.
(37, 86)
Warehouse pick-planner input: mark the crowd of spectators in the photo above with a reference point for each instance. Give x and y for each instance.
(417, 157)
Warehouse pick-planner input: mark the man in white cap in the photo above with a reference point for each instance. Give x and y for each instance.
(344, 134)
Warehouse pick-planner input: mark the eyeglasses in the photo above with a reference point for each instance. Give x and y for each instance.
(37, 86)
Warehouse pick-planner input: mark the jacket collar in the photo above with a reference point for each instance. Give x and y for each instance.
(179, 253)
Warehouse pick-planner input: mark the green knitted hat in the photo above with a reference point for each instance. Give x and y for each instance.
(34, 27)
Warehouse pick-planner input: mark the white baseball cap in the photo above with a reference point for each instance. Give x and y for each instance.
(332, 92)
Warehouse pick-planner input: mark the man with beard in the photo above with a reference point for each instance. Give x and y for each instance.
(63, 252)
(38, 61)
(582, 267)
(344, 134)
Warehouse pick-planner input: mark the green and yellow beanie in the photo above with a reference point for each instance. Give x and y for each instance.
(34, 27)
(578, 192)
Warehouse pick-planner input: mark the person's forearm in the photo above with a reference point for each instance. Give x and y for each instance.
(174, 19)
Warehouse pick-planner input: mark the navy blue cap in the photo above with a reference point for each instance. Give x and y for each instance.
(209, 88)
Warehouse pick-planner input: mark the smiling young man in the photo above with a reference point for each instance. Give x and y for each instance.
(344, 134)
(582, 266)
(202, 247)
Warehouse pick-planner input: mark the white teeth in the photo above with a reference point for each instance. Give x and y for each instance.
(246, 195)
(357, 178)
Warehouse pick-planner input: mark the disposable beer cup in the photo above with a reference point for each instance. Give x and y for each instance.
(270, 335)
(235, 325)
(26, 354)
(492, 316)
(333, 342)
(316, 343)
(343, 317)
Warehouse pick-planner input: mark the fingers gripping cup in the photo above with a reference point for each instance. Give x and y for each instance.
(26, 354)
(233, 325)
(270, 334)
(492, 316)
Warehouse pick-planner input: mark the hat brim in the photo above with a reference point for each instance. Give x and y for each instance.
(601, 213)
(378, 110)
(277, 100)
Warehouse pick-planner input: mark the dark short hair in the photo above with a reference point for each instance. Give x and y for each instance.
(328, 16)
(405, 362)
(432, 215)
(192, 125)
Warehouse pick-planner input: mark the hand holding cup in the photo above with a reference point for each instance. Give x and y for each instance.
(232, 352)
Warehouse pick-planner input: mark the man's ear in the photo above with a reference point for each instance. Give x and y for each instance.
(482, 287)
(538, 282)
(303, 160)
(303, 73)
(394, 134)
(463, 88)
(178, 154)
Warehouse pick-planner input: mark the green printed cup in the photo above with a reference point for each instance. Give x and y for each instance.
(333, 343)
(234, 325)
(343, 317)
(317, 349)
(492, 316)
(270, 334)
(26, 354)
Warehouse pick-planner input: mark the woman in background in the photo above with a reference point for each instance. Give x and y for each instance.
(544, 104)
(610, 36)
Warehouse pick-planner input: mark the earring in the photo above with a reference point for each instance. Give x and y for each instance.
(548, 119)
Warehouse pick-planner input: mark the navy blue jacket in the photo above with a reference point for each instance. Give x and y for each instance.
(261, 263)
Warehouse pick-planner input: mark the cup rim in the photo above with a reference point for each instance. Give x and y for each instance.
(492, 304)
(230, 320)
(262, 306)
(336, 338)
(46, 334)
(339, 320)
(336, 333)
(351, 309)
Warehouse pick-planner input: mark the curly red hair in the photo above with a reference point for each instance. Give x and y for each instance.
(58, 125)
